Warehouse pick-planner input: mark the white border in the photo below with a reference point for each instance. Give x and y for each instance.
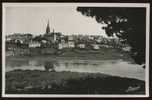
(146, 5)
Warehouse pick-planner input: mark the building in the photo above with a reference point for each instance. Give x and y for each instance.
(81, 45)
(62, 45)
(70, 38)
(96, 46)
(48, 28)
(51, 36)
(19, 37)
(34, 44)
(99, 39)
(71, 44)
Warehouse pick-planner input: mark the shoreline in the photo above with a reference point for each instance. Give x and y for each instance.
(102, 54)
(64, 57)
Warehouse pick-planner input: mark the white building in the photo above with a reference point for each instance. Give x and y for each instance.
(71, 44)
(82, 46)
(96, 46)
(63, 45)
(70, 38)
(43, 41)
(34, 44)
(60, 46)
(99, 39)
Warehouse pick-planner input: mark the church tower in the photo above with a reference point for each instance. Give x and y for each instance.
(48, 28)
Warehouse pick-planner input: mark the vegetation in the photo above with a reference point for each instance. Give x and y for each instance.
(49, 65)
(102, 54)
(128, 24)
(42, 82)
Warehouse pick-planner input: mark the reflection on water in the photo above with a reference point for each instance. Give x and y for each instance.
(111, 67)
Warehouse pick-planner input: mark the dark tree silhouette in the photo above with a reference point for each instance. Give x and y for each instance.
(128, 24)
(48, 66)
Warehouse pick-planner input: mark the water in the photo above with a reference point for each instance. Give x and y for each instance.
(111, 67)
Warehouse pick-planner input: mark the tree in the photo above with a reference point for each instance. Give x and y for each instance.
(48, 66)
(128, 24)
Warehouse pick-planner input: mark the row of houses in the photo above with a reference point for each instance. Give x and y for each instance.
(71, 44)
(59, 41)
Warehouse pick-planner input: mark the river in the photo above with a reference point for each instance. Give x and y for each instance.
(111, 67)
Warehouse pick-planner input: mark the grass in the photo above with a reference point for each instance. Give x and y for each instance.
(102, 54)
(41, 82)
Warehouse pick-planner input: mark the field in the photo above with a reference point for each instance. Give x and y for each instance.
(41, 82)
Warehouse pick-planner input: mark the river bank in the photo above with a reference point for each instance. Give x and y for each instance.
(102, 54)
(65, 82)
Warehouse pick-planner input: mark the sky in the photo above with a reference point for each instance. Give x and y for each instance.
(65, 19)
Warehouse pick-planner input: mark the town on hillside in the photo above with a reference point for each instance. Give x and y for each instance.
(51, 42)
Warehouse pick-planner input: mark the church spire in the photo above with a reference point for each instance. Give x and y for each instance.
(48, 28)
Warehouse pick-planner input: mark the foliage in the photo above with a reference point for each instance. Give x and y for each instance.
(128, 24)
(42, 82)
(48, 66)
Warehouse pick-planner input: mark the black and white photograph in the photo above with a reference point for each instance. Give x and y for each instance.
(75, 49)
